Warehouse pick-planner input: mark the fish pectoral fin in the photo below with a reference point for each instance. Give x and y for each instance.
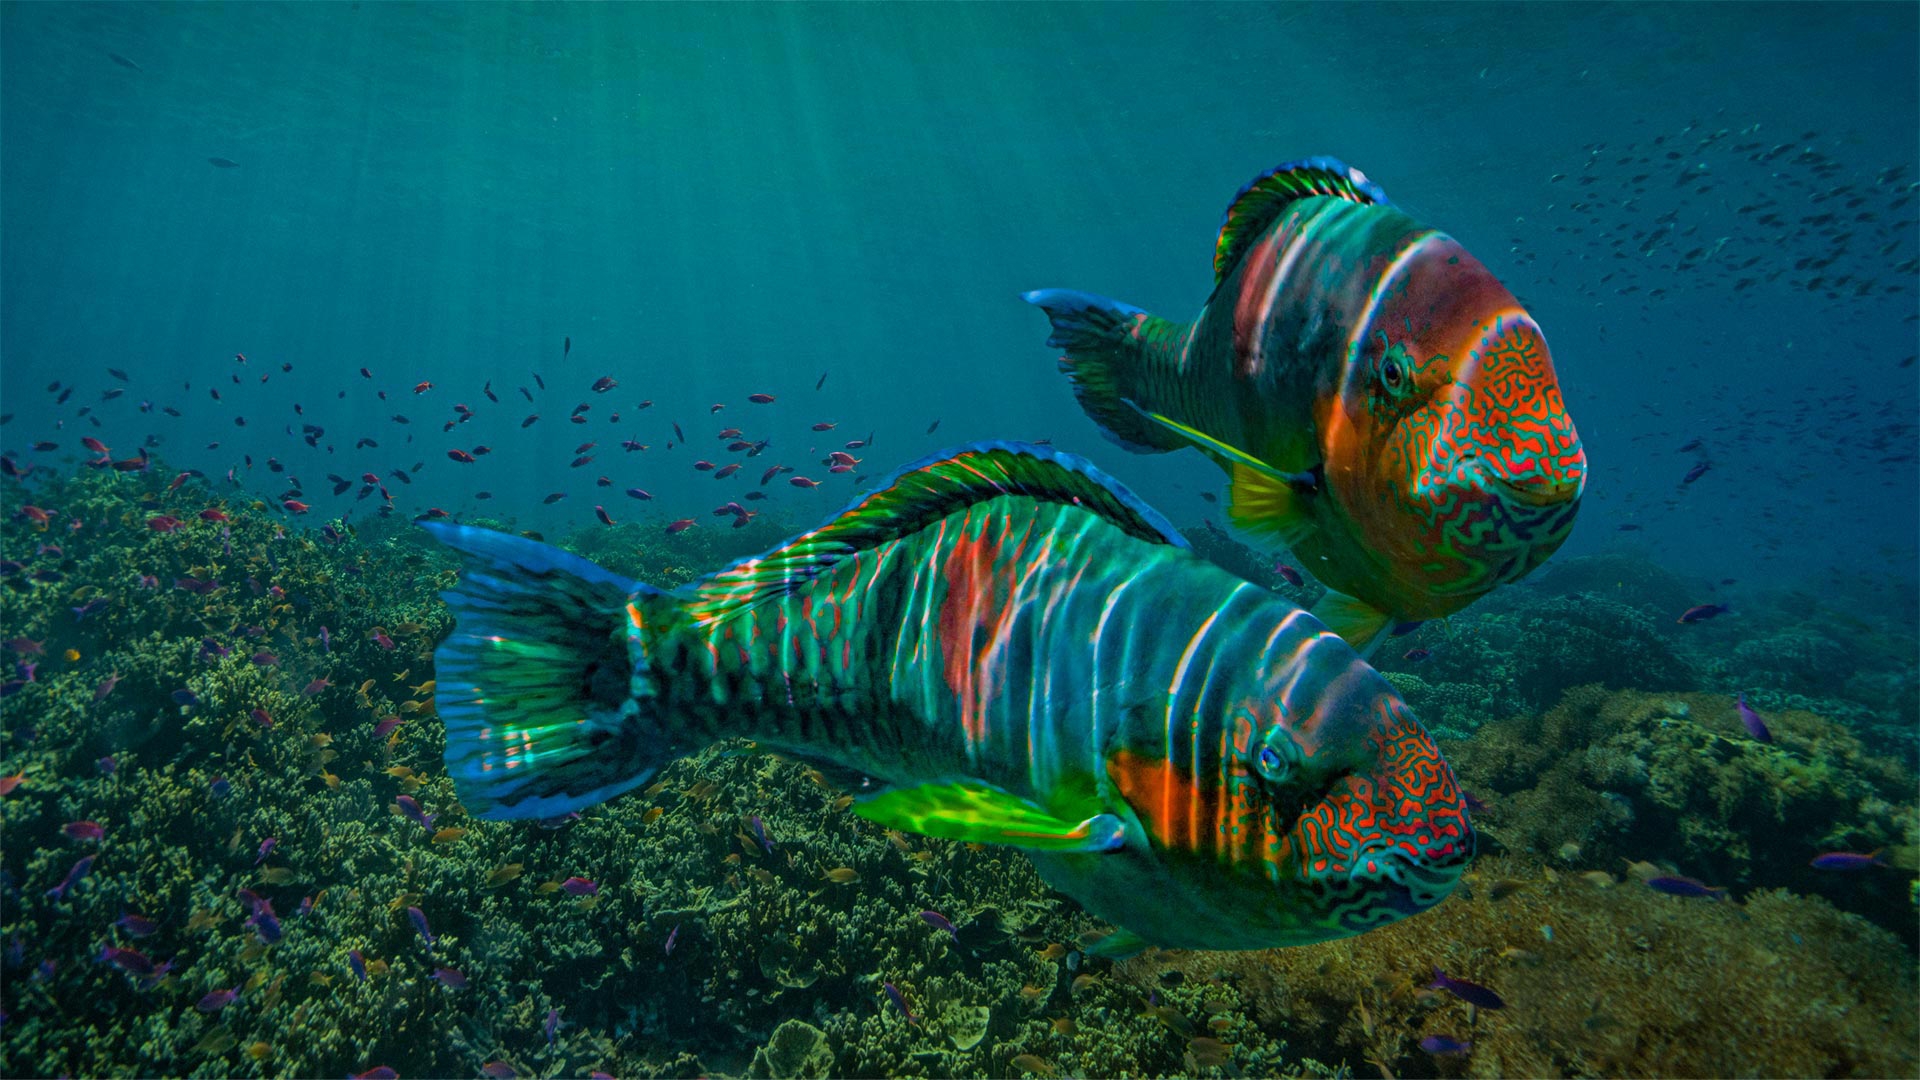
(1117, 946)
(1260, 502)
(972, 810)
(1303, 482)
(1356, 621)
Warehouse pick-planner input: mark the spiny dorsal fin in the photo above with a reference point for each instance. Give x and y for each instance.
(919, 495)
(1264, 200)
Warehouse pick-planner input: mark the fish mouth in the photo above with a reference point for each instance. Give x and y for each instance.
(1542, 492)
(1539, 491)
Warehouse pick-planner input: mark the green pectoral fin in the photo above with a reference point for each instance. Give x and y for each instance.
(1117, 946)
(1356, 621)
(970, 810)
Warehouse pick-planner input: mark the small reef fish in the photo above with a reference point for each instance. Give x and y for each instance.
(1755, 726)
(1016, 578)
(1702, 613)
(1380, 401)
(1470, 992)
(900, 1002)
(74, 874)
(1687, 887)
(1847, 861)
(1445, 1046)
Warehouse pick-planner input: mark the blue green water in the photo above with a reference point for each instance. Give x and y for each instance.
(1710, 209)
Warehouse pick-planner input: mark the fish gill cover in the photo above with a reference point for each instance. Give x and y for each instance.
(563, 281)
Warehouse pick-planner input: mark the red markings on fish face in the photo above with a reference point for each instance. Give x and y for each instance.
(1449, 434)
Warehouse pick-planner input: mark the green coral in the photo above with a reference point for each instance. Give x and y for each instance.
(768, 944)
(1612, 775)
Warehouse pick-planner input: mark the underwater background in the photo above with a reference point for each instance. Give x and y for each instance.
(240, 240)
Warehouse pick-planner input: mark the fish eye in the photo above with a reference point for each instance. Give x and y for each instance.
(1391, 372)
(1275, 759)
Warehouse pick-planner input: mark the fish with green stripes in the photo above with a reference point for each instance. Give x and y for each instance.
(1379, 400)
(1010, 648)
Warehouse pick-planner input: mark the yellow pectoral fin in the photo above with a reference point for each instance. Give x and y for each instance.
(1262, 496)
(1259, 503)
(1360, 624)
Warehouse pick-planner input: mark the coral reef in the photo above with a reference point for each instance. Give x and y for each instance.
(1607, 776)
(1600, 977)
(239, 704)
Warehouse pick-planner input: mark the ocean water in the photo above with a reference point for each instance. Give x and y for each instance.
(308, 273)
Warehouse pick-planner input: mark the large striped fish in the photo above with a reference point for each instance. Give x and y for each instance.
(1381, 403)
(1017, 651)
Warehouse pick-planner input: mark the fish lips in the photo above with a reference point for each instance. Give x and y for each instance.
(1408, 882)
(1533, 491)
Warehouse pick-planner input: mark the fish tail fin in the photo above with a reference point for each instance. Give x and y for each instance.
(1109, 347)
(543, 685)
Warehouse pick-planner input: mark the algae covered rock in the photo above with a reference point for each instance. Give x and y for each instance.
(1607, 776)
(797, 1051)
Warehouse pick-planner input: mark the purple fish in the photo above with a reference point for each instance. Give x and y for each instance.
(672, 936)
(1703, 612)
(1686, 886)
(136, 925)
(217, 1000)
(1847, 861)
(186, 698)
(385, 727)
(1289, 575)
(107, 765)
(579, 886)
(900, 1000)
(1442, 1046)
(219, 787)
(451, 978)
(1756, 727)
(59, 892)
(552, 1025)
(250, 900)
(265, 923)
(358, 963)
(106, 686)
(266, 849)
(420, 923)
(498, 1070)
(378, 1072)
(1696, 472)
(89, 608)
(1470, 992)
(83, 830)
(939, 922)
(132, 961)
(265, 658)
(326, 639)
(760, 833)
(412, 812)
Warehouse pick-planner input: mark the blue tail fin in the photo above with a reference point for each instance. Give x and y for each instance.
(543, 690)
(1105, 356)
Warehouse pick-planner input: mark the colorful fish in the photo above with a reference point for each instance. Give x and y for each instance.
(1381, 403)
(1009, 642)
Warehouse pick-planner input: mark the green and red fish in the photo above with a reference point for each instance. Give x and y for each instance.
(1018, 651)
(1381, 403)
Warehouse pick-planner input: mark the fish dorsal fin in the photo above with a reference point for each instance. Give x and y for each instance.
(917, 496)
(1270, 193)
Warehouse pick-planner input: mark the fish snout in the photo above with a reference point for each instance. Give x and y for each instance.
(1536, 481)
